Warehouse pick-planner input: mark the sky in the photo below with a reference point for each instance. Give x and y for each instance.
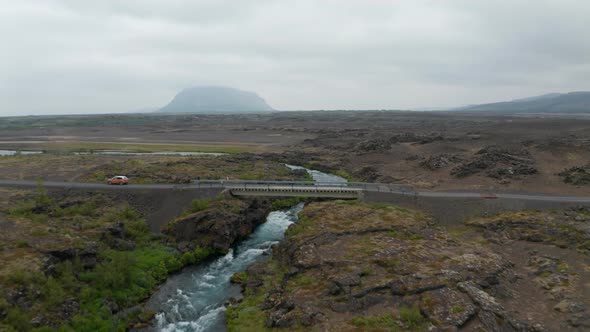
(74, 56)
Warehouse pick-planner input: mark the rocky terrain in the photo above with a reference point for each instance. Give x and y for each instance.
(428, 150)
(351, 266)
(144, 169)
(501, 163)
(577, 175)
(78, 261)
(67, 263)
(219, 223)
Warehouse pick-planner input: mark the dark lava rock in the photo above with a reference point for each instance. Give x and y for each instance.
(219, 226)
(373, 145)
(577, 175)
(117, 237)
(367, 173)
(117, 230)
(491, 314)
(440, 161)
(415, 138)
(499, 162)
(447, 307)
(120, 244)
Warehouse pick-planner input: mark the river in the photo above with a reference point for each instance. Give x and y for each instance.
(194, 299)
(15, 152)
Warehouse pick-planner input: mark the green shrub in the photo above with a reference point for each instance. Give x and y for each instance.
(173, 264)
(23, 209)
(411, 316)
(196, 256)
(88, 209)
(41, 197)
(67, 273)
(53, 293)
(416, 236)
(382, 322)
(39, 232)
(17, 319)
(239, 277)
(584, 245)
(22, 244)
(457, 309)
(197, 205)
(394, 234)
(129, 214)
(159, 272)
(286, 203)
(137, 230)
(116, 273)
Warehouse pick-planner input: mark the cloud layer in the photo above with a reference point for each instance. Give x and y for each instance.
(73, 56)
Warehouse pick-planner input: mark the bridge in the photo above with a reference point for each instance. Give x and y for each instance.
(300, 188)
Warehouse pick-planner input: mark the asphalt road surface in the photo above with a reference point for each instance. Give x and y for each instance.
(86, 185)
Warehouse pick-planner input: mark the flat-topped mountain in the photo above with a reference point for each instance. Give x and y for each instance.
(216, 99)
(572, 102)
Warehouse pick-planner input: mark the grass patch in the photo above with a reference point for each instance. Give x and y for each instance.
(247, 316)
(388, 263)
(344, 174)
(22, 244)
(416, 237)
(239, 278)
(385, 322)
(301, 281)
(412, 317)
(367, 271)
(457, 309)
(300, 226)
(121, 278)
(286, 203)
(197, 205)
(69, 147)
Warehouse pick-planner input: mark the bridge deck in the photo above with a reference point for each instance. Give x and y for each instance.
(277, 190)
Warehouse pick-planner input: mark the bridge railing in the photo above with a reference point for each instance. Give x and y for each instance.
(261, 184)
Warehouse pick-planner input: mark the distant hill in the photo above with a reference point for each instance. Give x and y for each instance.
(572, 102)
(216, 99)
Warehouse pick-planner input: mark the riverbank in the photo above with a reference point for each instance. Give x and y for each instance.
(78, 262)
(196, 299)
(83, 262)
(349, 266)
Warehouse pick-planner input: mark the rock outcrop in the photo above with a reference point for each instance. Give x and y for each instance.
(219, 226)
(497, 162)
(577, 175)
(439, 161)
(349, 266)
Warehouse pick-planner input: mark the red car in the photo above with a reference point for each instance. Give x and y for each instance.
(119, 179)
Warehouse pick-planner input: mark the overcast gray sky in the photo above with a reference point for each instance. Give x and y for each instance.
(74, 56)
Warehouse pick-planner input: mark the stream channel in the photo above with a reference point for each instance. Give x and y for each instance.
(193, 300)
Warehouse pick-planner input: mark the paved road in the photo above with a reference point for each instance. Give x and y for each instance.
(531, 197)
(535, 197)
(60, 184)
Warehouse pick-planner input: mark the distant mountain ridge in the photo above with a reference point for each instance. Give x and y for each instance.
(571, 102)
(216, 99)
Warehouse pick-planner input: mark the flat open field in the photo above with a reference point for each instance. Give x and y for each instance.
(428, 150)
